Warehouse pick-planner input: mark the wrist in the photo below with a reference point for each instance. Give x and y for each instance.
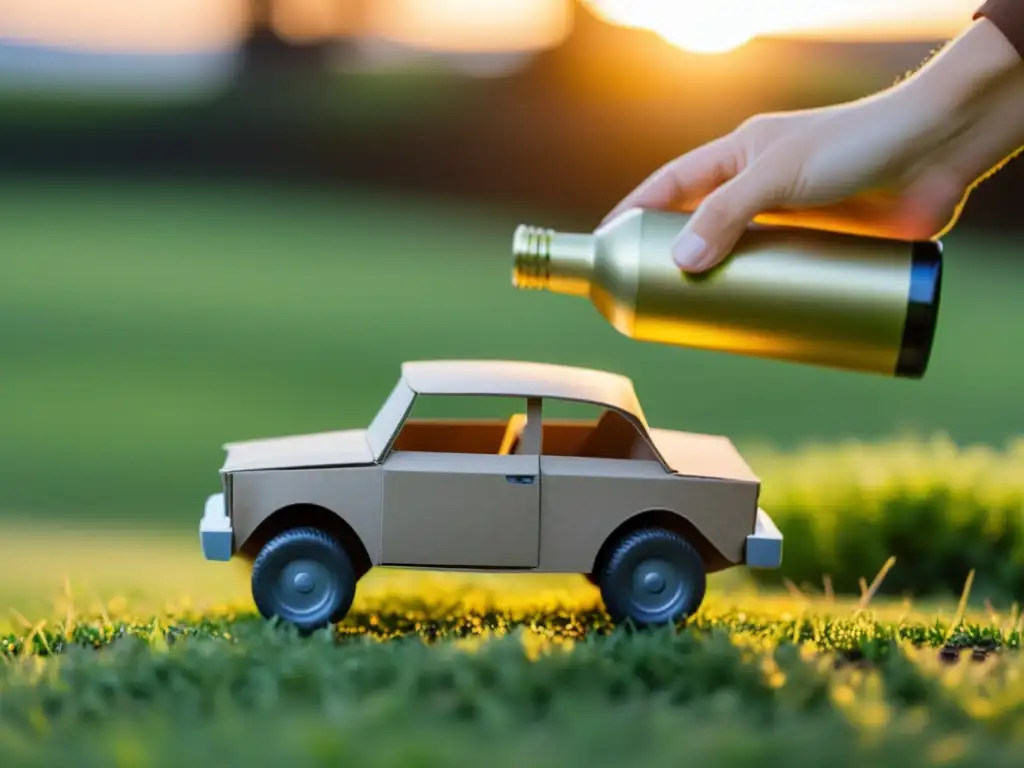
(965, 75)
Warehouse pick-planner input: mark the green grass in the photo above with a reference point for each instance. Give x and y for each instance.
(451, 670)
(144, 324)
(939, 509)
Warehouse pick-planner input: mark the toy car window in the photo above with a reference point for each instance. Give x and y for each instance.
(463, 424)
(586, 430)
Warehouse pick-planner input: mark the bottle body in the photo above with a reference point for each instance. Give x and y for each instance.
(803, 296)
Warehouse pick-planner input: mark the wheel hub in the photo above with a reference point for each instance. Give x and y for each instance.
(305, 586)
(654, 583)
(656, 586)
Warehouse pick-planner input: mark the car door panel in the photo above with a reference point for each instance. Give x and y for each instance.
(461, 510)
(586, 499)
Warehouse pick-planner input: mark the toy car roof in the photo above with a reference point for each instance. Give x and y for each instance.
(523, 379)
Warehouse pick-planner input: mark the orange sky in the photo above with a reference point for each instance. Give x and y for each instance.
(491, 25)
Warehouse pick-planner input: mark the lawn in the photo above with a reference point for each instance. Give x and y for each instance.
(430, 670)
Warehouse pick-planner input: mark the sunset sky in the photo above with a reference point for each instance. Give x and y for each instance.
(725, 24)
(471, 25)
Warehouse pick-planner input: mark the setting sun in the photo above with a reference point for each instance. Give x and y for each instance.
(724, 25)
(697, 27)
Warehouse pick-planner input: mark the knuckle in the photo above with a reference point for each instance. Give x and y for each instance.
(757, 134)
(754, 123)
(761, 126)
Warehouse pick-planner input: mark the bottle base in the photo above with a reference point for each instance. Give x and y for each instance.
(922, 310)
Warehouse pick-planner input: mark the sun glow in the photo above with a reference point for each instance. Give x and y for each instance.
(492, 26)
(698, 27)
(724, 25)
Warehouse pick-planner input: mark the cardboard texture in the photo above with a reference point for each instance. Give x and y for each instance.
(524, 493)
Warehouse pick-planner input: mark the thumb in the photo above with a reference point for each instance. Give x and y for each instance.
(721, 220)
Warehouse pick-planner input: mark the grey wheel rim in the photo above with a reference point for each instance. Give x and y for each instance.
(657, 588)
(653, 576)
(305, 588)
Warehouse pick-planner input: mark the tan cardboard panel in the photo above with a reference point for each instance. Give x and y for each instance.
(353, 494)
(702, 455)
(585, 500)
(445, 509)
(321, 449)
(522, 379)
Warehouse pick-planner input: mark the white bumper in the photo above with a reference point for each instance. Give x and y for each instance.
(764, 545)
(215, 533)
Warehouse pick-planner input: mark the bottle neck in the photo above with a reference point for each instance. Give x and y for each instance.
(559, 262)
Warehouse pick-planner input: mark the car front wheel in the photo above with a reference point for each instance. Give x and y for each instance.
(303, 577)
(652, 576)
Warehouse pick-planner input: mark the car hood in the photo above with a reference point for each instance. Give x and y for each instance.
(343, 448)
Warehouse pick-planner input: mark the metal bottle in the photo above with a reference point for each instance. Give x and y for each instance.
(798, 295)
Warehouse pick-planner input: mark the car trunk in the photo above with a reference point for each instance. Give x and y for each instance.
(702, 455)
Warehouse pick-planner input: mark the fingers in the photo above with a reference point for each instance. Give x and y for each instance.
(687, 179)
(721, 219)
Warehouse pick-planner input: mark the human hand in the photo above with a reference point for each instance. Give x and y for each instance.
(899, 164)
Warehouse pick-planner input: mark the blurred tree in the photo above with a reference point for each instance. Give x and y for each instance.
(266, 52)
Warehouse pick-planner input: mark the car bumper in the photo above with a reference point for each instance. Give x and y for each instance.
(764, 545)
(215, 533)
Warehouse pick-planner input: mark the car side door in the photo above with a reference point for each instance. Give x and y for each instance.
(464, 510)
(597, 474)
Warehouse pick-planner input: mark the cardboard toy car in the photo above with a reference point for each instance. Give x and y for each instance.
(644, 513)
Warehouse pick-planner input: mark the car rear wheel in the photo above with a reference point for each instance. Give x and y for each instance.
(304, 577)
(652, 576)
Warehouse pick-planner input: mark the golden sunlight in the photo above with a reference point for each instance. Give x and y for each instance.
(310, 20)
(697, 27)
(724, 25)
(494, 26)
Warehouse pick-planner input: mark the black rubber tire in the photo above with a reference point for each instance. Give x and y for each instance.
(310, 555)
(662, 557)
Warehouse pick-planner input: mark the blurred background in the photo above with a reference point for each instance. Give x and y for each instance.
(226, 219)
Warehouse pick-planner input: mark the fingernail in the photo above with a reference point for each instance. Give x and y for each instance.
(689, 250)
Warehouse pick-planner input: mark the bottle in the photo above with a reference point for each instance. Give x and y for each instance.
(799, 295)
